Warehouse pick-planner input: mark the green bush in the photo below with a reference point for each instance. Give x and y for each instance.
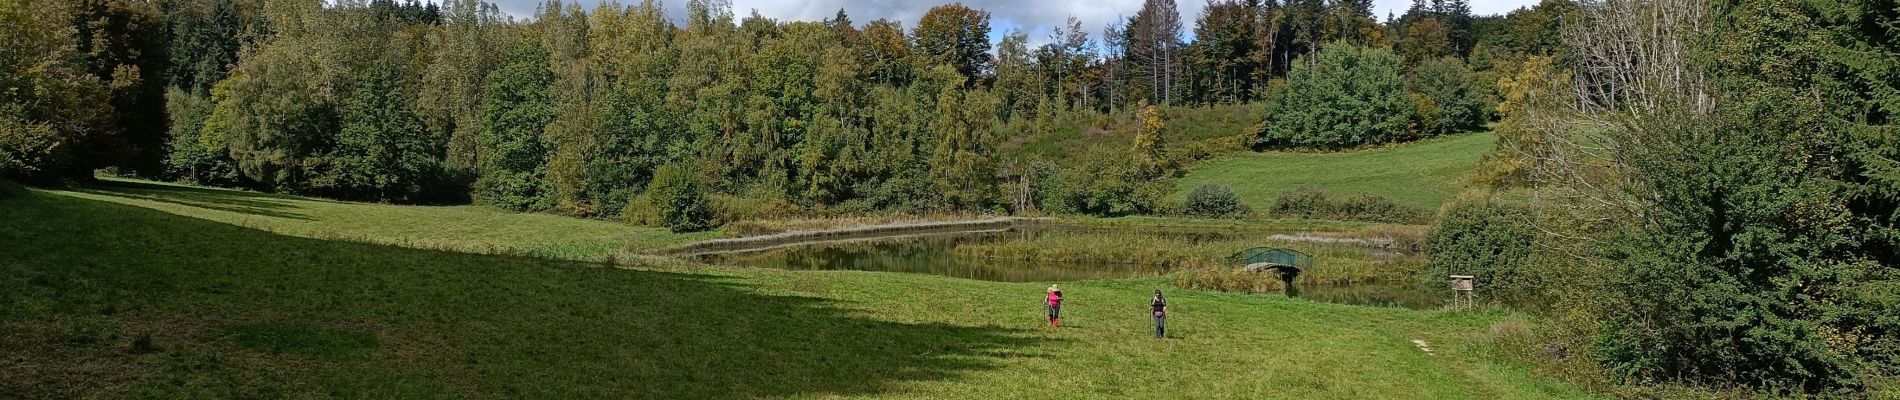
(1485, 238)
(1456, 100)
(1214, 200)
(1102, 183)
(1315, 204)
(1348, 96)
(680, 199)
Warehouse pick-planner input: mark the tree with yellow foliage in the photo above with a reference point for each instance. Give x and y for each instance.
(1533, 97)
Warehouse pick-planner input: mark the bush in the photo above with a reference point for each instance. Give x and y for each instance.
(679, 198)
(1102, 183)
(1214, 200)
(1456, 99)
(1349, 96)
(1487, 239)
(1315, 204)
(1227, 279)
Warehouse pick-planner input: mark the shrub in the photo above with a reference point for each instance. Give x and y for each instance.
(1227, 279)
(1484, 238)
(679, 198)
(1349, 96)
(1102, 183)
(1370, 207)
(1214, 200)
(1456, 99)
(1316, 204)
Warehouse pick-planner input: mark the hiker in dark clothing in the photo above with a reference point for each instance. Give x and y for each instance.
(1160, 305)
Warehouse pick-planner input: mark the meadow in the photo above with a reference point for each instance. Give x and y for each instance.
(462, 228)
(1419, 174)
(106, 296)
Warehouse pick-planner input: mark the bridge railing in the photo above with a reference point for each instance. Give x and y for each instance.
(1271, 255)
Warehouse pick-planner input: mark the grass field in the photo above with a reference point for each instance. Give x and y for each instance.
(114, 295)
(476, 229)
(1422, 175)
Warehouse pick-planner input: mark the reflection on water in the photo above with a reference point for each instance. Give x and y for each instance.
(936, 255)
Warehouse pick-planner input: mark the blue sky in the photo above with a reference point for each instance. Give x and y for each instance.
(1035, 17)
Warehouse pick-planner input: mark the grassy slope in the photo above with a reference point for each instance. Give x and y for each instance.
(236, 312)
(1185, 126)
(1422, 175)
(477, 229)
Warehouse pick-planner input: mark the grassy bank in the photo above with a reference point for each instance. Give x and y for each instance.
(1422, 175)
(105, 296)
(476, 229)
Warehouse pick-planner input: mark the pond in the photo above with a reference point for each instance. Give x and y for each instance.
(936, 255)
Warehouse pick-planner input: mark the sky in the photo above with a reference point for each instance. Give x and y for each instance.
(1034, 17)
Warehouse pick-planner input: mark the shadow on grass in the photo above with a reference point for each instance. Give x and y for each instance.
(259, 204)
(223, 311)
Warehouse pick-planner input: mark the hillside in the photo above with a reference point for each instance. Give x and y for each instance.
(477, 229)
(1204, 127)
(1422, 174)
(108, 299)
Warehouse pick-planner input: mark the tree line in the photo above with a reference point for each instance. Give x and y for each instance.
(577, 109)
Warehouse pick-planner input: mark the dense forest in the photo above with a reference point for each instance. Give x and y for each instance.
(578, 110)
(1701, 192)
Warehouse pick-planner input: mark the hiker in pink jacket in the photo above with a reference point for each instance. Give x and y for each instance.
(1055, 306)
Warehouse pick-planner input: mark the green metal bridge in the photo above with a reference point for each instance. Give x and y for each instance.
(1287, 263)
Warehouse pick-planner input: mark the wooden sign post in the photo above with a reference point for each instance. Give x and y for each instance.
(1461, 287)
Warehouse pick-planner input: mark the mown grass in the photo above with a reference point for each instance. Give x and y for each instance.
(477, 229)
(1423, 174)
(103, 297)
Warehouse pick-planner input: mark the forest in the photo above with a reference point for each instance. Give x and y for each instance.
(1688, 192)
(610, 111)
